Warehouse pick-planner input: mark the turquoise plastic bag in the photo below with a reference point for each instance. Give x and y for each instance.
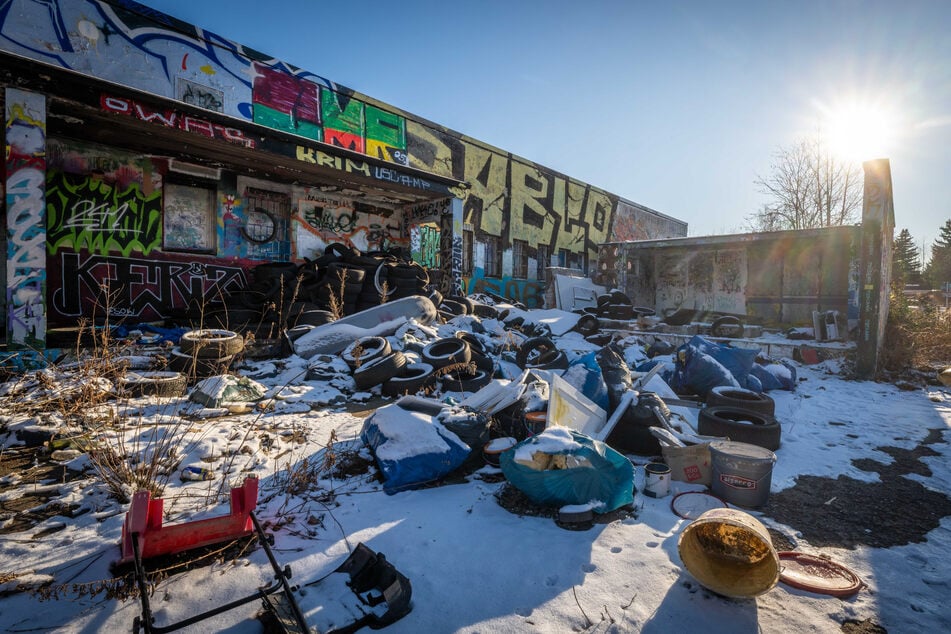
(609, 479)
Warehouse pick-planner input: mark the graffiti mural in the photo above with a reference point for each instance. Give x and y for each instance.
(116, 167)
(133, 45)
(529, 292)
(320, 220)
(174, 119)
(511, 198)
(85, 212)
(25, 116)
(135, 287)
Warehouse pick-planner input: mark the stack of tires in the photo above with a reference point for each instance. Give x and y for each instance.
(615, 306)
(742, 416)
(204, 353)
(283, 295)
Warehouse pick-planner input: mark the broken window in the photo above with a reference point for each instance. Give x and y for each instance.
(467, 235)
(519, 259)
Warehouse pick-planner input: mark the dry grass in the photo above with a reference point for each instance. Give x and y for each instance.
(916, 335)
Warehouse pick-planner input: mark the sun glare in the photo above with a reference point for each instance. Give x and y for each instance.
(859, 132)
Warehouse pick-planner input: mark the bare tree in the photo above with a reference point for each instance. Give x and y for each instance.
(808, 188)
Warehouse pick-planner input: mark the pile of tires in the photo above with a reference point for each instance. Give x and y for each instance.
(616, 306)
(283, 295)
(742, 416)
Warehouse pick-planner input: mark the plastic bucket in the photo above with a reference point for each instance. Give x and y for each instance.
(741, 473)
(730, 552)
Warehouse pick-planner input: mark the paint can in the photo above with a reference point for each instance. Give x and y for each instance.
(730, 552)
(741, 472)
(197, 474)
(656, 480)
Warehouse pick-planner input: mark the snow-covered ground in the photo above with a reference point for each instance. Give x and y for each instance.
(474, 566)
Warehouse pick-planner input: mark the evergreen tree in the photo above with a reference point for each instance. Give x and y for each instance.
(906, 266)
(939, 268)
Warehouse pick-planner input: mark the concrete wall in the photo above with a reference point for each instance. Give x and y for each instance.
(779, 277)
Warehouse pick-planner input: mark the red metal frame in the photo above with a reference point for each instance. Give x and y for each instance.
(143, 523)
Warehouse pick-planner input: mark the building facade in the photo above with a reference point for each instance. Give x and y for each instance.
(150, 163)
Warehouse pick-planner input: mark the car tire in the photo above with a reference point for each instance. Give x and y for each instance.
(163, 384)
(445, 352)
(462, 382)
(379, 370)
(726, 326)
(740, 425)
(740, 398)
(534, 349)
(364, 350)
(415, 377)
(211, 343)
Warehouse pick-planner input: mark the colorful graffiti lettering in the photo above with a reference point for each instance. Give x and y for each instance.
(529, 292)
(427, 253)
(511, 198)
(85, 212)
(140, 288)
(331, 115)
(174, 119)
(287, 103)
(25, 116)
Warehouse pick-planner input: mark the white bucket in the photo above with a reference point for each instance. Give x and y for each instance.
(742, 473)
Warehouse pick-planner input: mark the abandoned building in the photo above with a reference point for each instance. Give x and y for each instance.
(165, 161)
(152, 164)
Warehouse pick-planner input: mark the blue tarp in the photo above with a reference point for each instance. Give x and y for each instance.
(411, 448)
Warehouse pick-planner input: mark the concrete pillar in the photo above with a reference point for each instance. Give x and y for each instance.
(450, 238)
(26, 219)
(878, 225)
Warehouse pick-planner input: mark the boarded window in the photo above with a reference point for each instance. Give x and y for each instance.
(189, 220)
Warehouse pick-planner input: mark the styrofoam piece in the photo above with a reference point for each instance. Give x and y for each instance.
(381, 320)
(568, 407)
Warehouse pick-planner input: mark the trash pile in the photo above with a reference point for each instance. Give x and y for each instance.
(575, 419)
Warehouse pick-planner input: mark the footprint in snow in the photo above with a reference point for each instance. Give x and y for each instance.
(616, 549)
(588, 568)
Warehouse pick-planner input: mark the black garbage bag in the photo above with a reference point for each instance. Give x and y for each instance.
(616, 374)
(472, 429)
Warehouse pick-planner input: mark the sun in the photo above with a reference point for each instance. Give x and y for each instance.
(859, 131)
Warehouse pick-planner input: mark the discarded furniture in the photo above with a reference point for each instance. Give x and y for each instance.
(372, 579)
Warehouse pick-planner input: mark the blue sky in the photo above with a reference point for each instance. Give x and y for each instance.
(678, 106)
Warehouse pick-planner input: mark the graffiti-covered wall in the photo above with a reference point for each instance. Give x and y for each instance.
(509, 198)
(779, 277)
(25, 116)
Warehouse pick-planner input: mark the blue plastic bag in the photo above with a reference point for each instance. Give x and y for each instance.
(702, 365)
(606, 476)
(411, 448)
(774, 376)
(585, 374)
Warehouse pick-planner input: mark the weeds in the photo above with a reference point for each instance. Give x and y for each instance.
(915, 335)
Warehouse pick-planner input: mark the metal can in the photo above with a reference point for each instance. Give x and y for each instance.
(197, 473)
